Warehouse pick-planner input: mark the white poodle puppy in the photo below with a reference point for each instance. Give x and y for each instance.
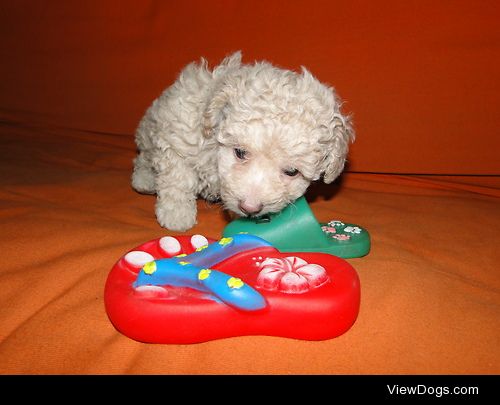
(252, 136)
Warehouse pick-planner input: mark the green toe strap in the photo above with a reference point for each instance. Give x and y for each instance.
(296, 229)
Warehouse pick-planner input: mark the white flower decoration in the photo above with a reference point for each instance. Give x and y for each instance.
(336, 223)
(352, 229)
(291, 275)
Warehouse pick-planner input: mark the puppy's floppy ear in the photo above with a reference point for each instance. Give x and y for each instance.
(216, 111)
(218, 105)
(341, 133)
(335, 129)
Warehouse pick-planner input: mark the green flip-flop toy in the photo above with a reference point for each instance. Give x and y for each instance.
(296, 229)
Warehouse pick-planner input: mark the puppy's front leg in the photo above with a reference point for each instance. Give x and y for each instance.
(176, 196)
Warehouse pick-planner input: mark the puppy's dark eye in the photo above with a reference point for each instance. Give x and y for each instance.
(240, 153)
(291, 172)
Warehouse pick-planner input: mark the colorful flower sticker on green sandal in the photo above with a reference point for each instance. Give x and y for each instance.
(296, 229)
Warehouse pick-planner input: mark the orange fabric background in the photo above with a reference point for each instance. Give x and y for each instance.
(420, 77)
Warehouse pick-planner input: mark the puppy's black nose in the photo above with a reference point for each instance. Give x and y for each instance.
(250, 209)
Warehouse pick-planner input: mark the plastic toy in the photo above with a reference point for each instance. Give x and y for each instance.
(192, 289)
(194, 271)
(296, 229)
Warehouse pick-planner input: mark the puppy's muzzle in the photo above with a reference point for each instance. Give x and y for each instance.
(249, 208)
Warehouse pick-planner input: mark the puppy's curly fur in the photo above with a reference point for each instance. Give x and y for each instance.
(253, 136)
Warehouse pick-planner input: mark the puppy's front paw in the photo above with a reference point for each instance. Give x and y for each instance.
(176, 217)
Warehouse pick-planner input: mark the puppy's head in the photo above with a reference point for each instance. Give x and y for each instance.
(277, 131)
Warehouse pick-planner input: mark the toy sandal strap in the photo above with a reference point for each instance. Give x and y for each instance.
(194, 271)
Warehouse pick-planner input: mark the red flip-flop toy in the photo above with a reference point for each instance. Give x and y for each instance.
(191, 289)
